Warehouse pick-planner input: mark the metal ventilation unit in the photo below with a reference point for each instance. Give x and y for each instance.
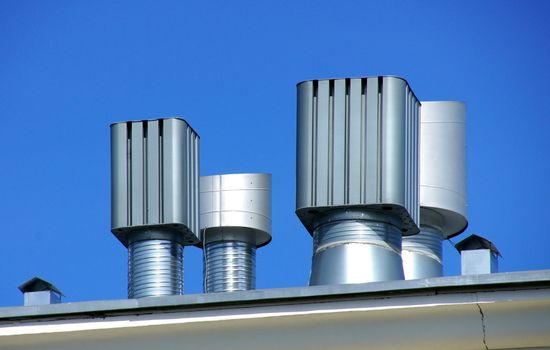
(235, 219)
(37, 291)
(478, 255)
(442, 187)
(154, 200)
(357, 176)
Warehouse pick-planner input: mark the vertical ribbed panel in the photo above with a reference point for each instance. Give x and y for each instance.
(155, 268)
(155, 177)
(357, 145)
(229, 266)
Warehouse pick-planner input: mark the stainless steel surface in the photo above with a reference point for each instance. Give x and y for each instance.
(155, 268)
(357, 146)
(235, 219)
(443, 166)
(229, 266)
(44, 297)
(236, 207)
(442, 187)
(479, 261)
(356, 247)
(422, 254)
(155, 179)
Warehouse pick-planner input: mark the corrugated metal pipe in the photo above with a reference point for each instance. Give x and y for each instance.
(155, 268)
(229, 266)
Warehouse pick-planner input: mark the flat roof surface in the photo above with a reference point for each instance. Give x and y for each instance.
(539, 279)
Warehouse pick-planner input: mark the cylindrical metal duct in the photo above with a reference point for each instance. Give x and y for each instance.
(155, 268)
(443, 208)
(235, 219)
(229, 266)
(421, 253)
(351, 247)
(357, 175)
(154, 200)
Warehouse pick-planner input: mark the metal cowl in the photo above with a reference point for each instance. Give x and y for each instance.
(357, 175)
(154, 200)
(443, 206)
(443, 196)
(235, 219)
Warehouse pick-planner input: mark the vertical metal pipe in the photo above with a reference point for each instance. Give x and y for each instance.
(356, 247)
(229, 266)
(422, 254)
(155, 268)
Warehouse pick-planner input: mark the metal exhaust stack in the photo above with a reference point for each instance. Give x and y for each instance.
(357, 176)
(235, 219)
(154, 200)
(443, 208)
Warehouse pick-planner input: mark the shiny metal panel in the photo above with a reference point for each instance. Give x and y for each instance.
(355, 263)
(479, 261)
(356, 148)
(393, 142)
(120, 213)
(155, 174)
(442, 187)
(153, 147)
(443, 166)
(422, 254)
(236, 207)
(356, 247)
(155, 268)
(44, 297)
(339, 141)
(372, 142)
(229, 266)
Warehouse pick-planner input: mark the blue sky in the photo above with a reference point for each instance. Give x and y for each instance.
(70, 68)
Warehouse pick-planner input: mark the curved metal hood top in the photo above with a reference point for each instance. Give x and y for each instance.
(236, 207)
(443, 166)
